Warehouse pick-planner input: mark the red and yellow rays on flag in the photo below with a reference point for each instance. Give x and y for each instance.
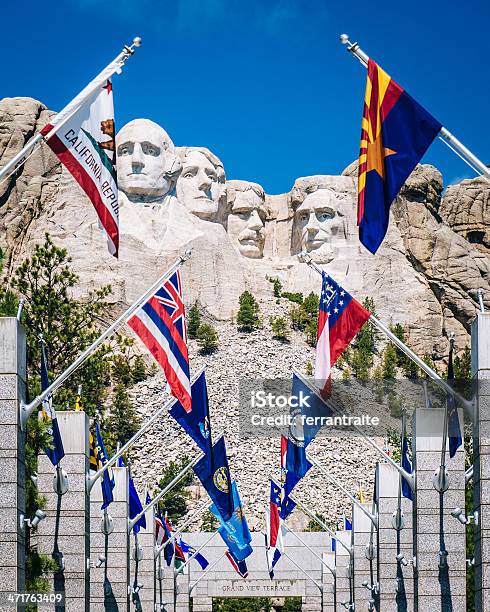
(381, 94)
(396, 132)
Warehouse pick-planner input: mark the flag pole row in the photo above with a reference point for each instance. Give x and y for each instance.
(468, 405)
(27, 409)
(445, 135)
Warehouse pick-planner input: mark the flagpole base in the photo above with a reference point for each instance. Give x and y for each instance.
(440, 480)
(60, 481)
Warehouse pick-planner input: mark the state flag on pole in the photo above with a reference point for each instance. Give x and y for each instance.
(85, 145)
(340, 317)
(163, 535)
(407, 466)
(273, 536)
(453, 425)
(107, 482)
(55, 451)
(214, 474)
(160, 324)
(197, 423)
(191, 551)
(240, 567)
(396, 132)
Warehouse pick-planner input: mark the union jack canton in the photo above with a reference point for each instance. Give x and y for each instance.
(160, 323)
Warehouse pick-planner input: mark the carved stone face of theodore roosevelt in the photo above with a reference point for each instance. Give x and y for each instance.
(246, 220)
(147, 165)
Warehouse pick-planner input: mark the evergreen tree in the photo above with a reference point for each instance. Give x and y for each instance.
(279, 328)
(123, 421)
(67, 325)
(193, 321)
(248, 314)
(408, 367)
(175, 502)
(462, 365)
(277, 287)
(309, 368)
(207, 338)
(139, 369)
(8, 300)
(209, 522)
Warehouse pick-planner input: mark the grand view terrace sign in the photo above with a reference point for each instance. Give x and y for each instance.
(256, 588)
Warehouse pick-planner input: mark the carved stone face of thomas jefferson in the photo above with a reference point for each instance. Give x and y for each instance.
(247, 216)
(317, 221)
(147, 165)
(200, 186)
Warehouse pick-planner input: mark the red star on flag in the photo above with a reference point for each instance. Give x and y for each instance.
(108, 87)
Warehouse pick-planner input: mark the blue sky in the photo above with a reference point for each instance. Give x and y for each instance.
(265, 84)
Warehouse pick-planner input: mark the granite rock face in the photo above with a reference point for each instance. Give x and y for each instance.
(466, 209)
(425, 275)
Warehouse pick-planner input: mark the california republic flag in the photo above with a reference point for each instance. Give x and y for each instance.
(84, 142)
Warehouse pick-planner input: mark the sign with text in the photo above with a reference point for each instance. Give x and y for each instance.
(256, 588)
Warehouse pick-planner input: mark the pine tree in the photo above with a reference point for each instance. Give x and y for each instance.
(8, 300)
(139, 369)
(209, 522)
(67, 325)
(123, 421)
(175, 501)
(193, 321)
(279, 328)
(207, 338)
(248, 314)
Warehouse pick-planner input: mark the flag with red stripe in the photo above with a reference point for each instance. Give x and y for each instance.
(340, 317)
(160, 323)
(85, 145)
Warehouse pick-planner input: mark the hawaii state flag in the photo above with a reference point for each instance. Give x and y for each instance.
(160, 323)
(85, 145)
(340, 317)
(240, 567)
(396, 132)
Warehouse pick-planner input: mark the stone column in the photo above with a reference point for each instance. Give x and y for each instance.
(361, 526)
(65, 533)
(328, 582)
(439, 539)
(480, 366)
(146, 574)
(395, 579)
(109, 583)
(12, 455)
(342, 565)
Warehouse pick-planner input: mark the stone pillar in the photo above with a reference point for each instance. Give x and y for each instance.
(146, 574)
(439, 577)
(361, 526)
(342, 565)
(109, 583)
(480, 366)
(12, 455)
(328, 583)
(65, 533)
(395, 579)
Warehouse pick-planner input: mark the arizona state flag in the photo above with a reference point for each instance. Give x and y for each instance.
(396, 132)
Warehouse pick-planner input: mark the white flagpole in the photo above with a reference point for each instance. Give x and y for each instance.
(164, 491)
(27, 410)
(325, 527)
(196, 552)
(70, 109)
(200, 509)
(306, 258)
(208, 569)
(326, 473)
(330, 569)
(445, 135)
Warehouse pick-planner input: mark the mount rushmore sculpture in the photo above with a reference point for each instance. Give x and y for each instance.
(425, 275)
